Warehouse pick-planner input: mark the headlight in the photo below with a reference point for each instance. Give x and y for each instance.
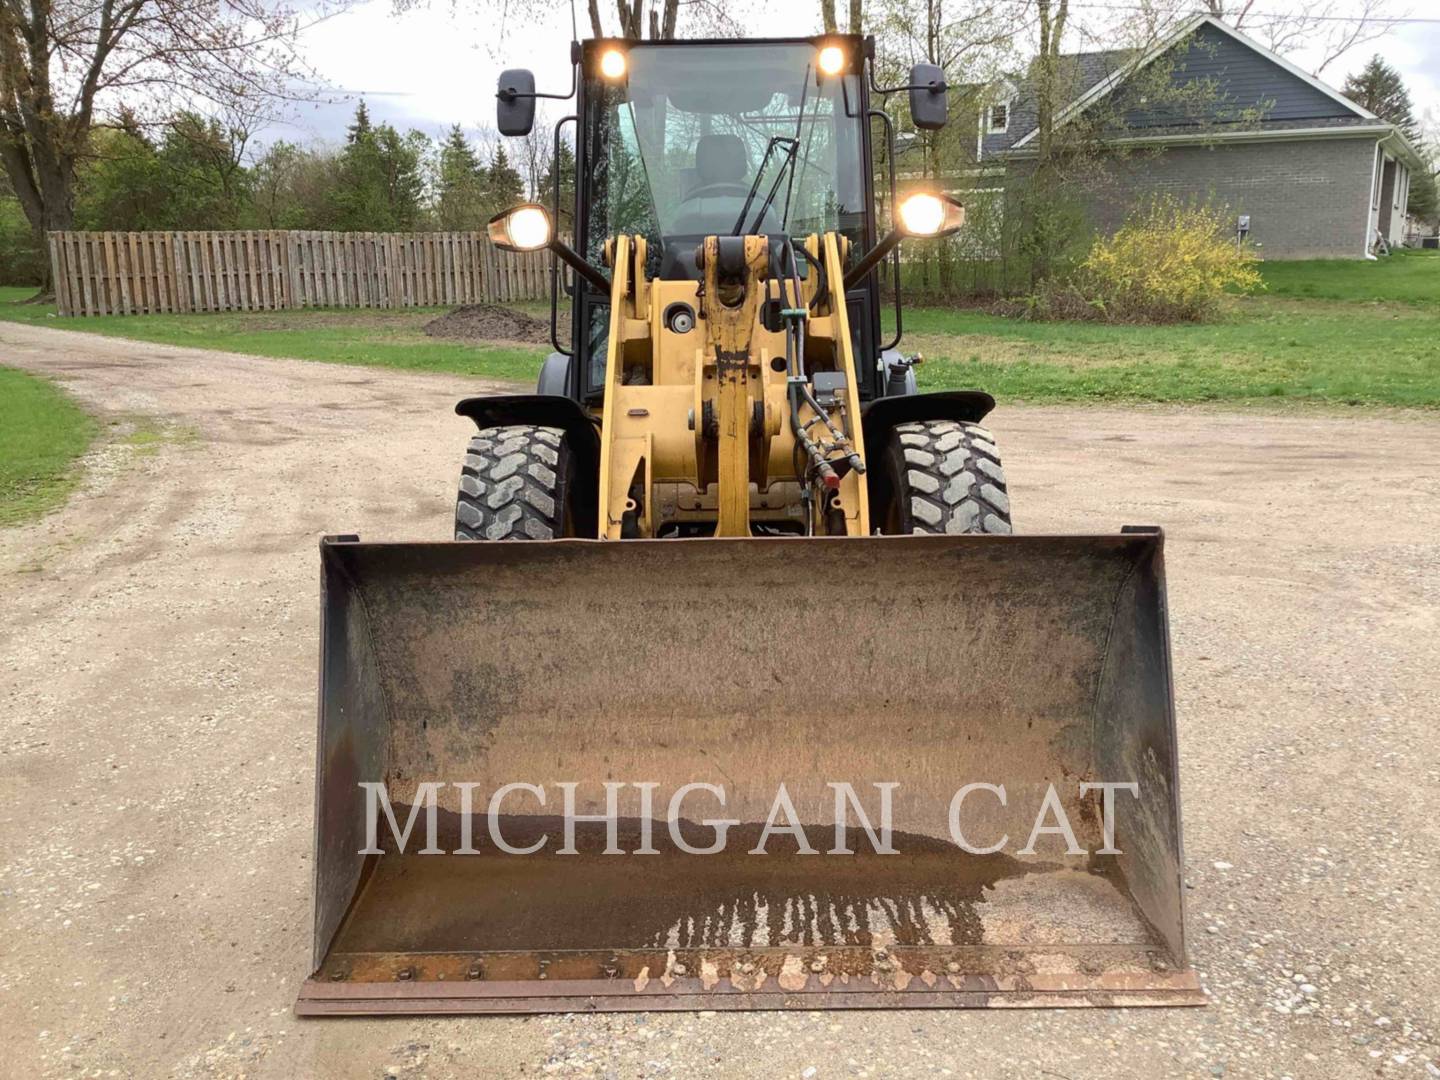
(521, 228)
(612, 64)
(926, 214)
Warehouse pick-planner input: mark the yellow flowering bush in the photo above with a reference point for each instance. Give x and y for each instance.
(1169, 262)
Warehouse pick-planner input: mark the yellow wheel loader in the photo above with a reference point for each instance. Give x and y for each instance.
(735, 690)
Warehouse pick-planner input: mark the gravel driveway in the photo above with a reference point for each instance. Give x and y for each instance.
(157, 670)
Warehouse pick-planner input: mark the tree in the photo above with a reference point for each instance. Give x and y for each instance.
(628, 18)
(359, 127)
(562, 164)
(194, 177)
(120, 183)
(1424, 196)
(203, 164)
(64, 62)
(1041, 241)
(379, 183)
(275, 205)
(1378, 87)
(1330, 27)
(503, 184)
(460, 184)
(827, 16)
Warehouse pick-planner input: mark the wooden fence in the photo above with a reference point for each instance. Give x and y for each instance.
(135, 273)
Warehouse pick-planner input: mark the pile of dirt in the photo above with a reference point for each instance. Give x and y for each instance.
(487, 322)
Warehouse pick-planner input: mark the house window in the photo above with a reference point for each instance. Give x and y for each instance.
(999, 117)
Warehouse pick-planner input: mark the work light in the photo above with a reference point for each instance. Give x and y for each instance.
(927, 214)
(612, 64)
(922, 213)
(831, 60)
(521, 228)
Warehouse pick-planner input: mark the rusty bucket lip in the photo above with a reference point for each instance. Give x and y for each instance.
(1115, 989)
(1124, 536)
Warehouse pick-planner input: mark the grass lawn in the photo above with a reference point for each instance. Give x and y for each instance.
(1262, 349)
(378, 338)
(1406, 275)
(41, 434)
(1335, 333)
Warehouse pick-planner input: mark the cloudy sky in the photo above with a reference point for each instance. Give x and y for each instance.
(436, 66)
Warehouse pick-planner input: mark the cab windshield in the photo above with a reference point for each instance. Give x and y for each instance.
(703, 140)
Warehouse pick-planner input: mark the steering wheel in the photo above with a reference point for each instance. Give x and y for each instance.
(723, 188)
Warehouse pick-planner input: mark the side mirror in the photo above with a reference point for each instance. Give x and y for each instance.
(929, 105)
(515, 102)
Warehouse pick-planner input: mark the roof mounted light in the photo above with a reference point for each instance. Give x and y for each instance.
(830, 60)
(613, 64)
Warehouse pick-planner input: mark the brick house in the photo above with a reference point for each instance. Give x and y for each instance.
(1312, 174)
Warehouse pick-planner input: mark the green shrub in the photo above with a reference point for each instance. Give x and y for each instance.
(1170, 262)
(21, 261)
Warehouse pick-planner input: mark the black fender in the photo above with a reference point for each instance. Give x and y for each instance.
(582, 434)
(880, 416)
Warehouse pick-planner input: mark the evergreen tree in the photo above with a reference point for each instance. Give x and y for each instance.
(1379, 88)
(503, 184)
(360, 126)
(564, 164)
(380, 183)
(460, 184)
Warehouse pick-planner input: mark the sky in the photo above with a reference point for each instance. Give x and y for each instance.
(436, 66)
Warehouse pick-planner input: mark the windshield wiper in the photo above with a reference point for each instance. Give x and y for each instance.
(789, 163)
(791, 150)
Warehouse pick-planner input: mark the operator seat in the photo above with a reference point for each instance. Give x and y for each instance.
(713, 194)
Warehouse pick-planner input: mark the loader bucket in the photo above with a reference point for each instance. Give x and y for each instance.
(805, 681)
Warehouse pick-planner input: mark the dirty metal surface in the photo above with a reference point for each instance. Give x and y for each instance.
(1028, 661)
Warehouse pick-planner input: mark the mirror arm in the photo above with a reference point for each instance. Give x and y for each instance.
(940, 87)
(573, 259)
(508, 95)
(873, 258)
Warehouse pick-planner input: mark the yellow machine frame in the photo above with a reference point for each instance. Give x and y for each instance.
(695, 426)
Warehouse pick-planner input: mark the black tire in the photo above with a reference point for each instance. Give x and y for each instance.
(945, 477)
(516, 484)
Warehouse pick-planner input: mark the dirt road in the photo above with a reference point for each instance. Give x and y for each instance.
(157, 672)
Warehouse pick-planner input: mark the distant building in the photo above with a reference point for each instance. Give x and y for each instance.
(1311, 173)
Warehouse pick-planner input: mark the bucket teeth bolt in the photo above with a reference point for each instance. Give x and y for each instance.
(405, 974)
(953, 968)
(475, 971)
(679, 969)
(747, 968)
(817, 966)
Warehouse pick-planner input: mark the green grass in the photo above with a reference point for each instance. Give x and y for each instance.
(41, 434)
(369, 338)
(1261, 350)
(1405, 276)
(1332, 333)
